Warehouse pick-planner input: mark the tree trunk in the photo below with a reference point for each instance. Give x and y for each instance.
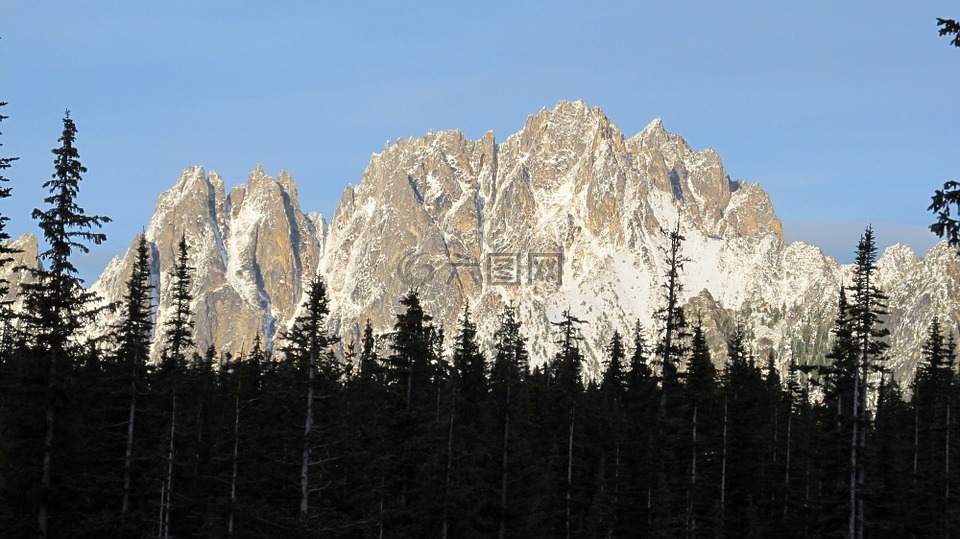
(446, 485)
(723, 465)
(380, 520)
(128, 455)
(50, 421)
(786, 474)
(166, 493)
(305, 459)
(236, 451)
(854, 441)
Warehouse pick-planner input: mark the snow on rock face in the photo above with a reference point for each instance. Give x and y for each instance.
(250, 255)
(17, 268)
(566, 213)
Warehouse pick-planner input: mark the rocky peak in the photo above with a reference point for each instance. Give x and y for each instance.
(566, 213)
(16, 271)
(249, 255)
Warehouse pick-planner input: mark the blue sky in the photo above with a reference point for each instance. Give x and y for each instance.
(846, 112)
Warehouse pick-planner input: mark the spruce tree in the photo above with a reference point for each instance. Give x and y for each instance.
(466, 444)
(177, 341)
(178, 329)
(368, 464)
(134, 334)
(866, 312)
(56, 304)
(510, 409)
(641, 457)
(310, 349)
(6, 251)
(608, 440)
(700, 385)
(933, 402)
(673, 323)
(567, 387)
(614, 381)
(742, 425)
(412, 401)
(840, 393)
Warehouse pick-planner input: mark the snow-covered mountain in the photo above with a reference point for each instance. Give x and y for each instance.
(568, 213)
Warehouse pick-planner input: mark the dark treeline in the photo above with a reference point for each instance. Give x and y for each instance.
(404, 439)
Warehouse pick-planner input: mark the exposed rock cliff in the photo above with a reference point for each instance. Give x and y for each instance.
(566, 213)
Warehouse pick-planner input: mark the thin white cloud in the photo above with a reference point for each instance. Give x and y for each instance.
(839, 238)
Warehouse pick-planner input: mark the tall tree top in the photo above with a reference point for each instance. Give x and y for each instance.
(65, 225)
(56, 303)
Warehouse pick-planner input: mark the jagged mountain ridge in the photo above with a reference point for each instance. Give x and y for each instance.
(566, 213)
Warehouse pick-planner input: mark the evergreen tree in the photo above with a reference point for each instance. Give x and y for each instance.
(641, 444)
(669, 442)
(898, 509)
(310, 349)
(6, 252)
(614, 380)
(950, 27)
(134, 335)
(511, 413)
(742, 426)
(606, 404)
(673, 323)
(837, 418)
(56, 304)
(177, 341)
(700, 384)
(178, 329)
(464, 506)
(566, 372)
(369, 363)
(369, 464)
(933, 403)
(866, 312)
(410, 378)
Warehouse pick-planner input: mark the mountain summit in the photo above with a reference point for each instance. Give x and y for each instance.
(568, 213)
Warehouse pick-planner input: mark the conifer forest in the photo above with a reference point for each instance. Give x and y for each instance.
(426, 432)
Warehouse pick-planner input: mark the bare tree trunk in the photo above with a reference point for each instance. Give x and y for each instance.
(854, 441)
(446, 484)
(128, 455)
(786, 478)
(861, 469)
(305, 459)
(166, 493)
(723, 465)
(50, 421)
(380, 523)
(236, 452)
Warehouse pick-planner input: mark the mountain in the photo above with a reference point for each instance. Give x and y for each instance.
(250, 252)
(568, 213)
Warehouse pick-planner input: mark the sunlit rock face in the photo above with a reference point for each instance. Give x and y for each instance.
(568, 213)
(249, 252)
